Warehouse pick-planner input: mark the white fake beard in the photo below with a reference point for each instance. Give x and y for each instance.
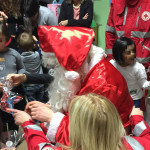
(61, 91)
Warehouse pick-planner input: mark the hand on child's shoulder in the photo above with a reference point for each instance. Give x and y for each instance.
(136, 111)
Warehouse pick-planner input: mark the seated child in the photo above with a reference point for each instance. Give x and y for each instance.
(32, 63)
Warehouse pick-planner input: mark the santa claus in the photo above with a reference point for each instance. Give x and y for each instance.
(79, 67)
(68, 53)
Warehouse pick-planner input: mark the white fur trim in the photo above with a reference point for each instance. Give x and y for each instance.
(49, 60)
(96, 54)
(49, 54)
(53, 126)
(72, 75)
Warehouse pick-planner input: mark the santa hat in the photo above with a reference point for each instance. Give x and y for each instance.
(69, 44)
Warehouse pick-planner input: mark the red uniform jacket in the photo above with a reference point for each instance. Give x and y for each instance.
(133, 21)
(36, 139)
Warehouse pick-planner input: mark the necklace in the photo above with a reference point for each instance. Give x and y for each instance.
(76, 7)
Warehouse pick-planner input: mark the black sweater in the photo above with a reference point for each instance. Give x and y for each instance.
(67, 13)
(38, 78)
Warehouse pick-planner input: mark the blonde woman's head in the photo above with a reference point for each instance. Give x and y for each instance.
(94, 124)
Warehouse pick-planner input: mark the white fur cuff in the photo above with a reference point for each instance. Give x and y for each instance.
(53, 126)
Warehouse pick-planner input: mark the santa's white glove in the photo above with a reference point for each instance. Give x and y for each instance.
(72, 75)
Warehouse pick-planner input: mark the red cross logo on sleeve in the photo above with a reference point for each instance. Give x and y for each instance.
(145, 15)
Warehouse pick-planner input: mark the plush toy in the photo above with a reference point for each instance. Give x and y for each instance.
(79, 68)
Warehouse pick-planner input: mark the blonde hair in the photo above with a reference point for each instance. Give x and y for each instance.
(25, 41)
(95, 124)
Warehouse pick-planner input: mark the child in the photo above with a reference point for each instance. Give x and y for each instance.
(10, 62)
(32, 62)
(124, 53)
(10, 59)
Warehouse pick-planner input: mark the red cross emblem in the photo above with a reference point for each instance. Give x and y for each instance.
(145, 15)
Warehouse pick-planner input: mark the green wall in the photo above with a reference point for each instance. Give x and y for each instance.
(101, 11)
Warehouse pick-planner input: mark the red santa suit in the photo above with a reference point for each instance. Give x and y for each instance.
(69, 52)
(130, 18)
(104, 79)
(36, 139)
(71, 45)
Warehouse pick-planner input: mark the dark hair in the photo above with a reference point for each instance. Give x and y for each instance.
(4, 30)
(11, 7)
(71, 1)
(120, 46)
(29, 7)
(25, 41)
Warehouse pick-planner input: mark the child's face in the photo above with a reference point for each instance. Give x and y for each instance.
(129, 55)
(2, 42)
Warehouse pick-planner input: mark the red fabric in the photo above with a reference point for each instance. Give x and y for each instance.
(70, 44)
(35, 137)
(44, 128)
(143, 138)
(134, 22)
(131, 2)
(9, 41)
(106, 80)
(62, 135)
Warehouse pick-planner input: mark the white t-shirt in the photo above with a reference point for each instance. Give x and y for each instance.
(136, 78)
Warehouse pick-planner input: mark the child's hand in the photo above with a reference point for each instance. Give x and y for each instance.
(136, 111)
(34, 38)
(16, 79)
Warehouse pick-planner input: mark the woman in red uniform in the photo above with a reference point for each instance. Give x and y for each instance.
(93, 123)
